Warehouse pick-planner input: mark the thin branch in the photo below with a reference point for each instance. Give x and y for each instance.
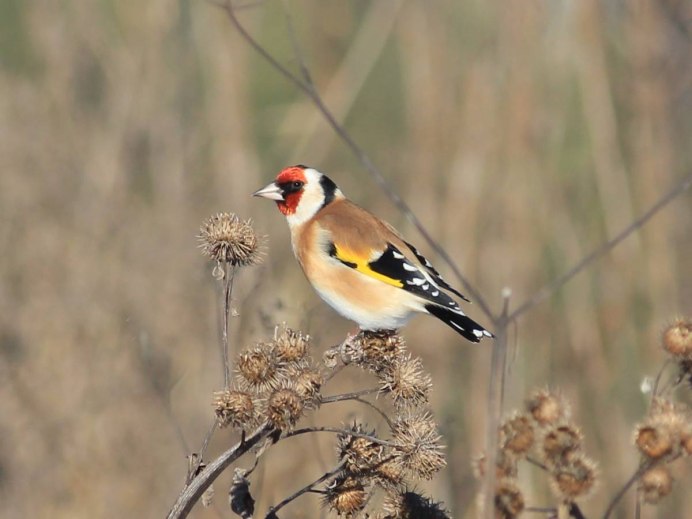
(587, 260)
(631, 481)
(337, 430)
(537, 463)
(307, 87)
(347, 396)
(306, 488)
(496, 384)
(229, 276)
(193, 491)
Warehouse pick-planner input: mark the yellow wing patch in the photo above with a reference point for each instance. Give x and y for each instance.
(361, 264)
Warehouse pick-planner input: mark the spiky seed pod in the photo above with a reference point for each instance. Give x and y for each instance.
(516, 435)
(389, 474)
(290, 345)
(307, 382)
(661, 434)
(506, 465)
(358, 453)
(346, 495)
(418, 449)
(225, 238)
(655, 484)
(406, 382)
(234, 408)
(509, 501)
(412, 505)
(258, 368)
(284, 408)
(574, 478)
(547, 408)
(560, 442)
(677, 339)
(379, 349)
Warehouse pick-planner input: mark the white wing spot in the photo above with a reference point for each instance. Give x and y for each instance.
(409, 267)
(416, 281)
(397, 255)
(425, 286)
(478, 333)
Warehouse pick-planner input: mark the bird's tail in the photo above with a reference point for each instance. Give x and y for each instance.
(462, 324)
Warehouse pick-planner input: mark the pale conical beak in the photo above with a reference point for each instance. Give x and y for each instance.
(272, 192)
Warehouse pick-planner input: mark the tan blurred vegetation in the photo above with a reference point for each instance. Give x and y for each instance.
(523, 134)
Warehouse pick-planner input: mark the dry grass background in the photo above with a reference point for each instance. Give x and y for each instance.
(522, 134)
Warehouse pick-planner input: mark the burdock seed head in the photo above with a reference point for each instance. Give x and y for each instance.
(661, 434)
(284, 408)
(677, 339)
(258, 369)
(406, 382)
(574, 478)
(290, 345)
(561, 442)
(517, 435)
(234, 408)
(655, 484)
(346, 495)
(226, 238)
(357, 452)
(509, 501)
(546, 407)
(505, 465)
(307, 382)
(418, 449)
(379, 349)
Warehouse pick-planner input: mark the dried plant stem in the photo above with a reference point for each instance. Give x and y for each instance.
(348, 396)
(194, 489)
(587, 260)
(338, 430)
(631, 481)
(229, 276)
(202, 451)
(496, 383)
(306, 488)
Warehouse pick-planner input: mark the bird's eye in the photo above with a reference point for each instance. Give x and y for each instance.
(297, 184)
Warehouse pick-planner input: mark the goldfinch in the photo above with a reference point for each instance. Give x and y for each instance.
(360, 265)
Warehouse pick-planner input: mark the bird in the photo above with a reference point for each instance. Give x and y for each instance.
(358, 264)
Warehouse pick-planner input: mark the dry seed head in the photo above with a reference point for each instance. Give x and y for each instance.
(234, 408)
(284, 408)
(546, 407)
(358, 453)
(574, 478)
(661, 434)
(389, 474)
(406, 382)
(505, 465)
(379, 349)
(307, 383)
(560, 442)
(677, 339)
(290, 345)
(346, 496)
(517, 435)
(225, 238)
(418, 449)
(655, 484)
(412, 505)
(258, 368)
(509, 501)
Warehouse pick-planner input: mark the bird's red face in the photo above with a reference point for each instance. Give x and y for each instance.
(286, 190)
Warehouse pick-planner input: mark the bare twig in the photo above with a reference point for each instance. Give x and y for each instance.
(587, 260)
(631, 481)
(496, 383)
(348, 396)
(338, 430)
(229, 276)
(193, 491)
(306, 488)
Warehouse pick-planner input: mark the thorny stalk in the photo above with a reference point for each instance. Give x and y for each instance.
(229, 276)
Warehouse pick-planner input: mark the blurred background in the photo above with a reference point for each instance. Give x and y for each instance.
(523, 134)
